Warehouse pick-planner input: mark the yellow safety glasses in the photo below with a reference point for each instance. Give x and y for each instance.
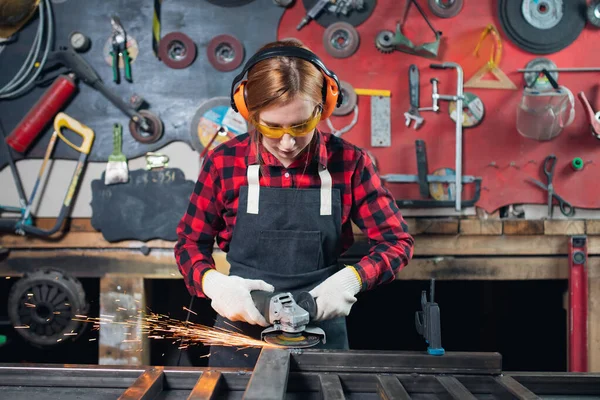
(302, 129)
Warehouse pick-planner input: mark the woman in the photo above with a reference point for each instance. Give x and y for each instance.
(280, 201)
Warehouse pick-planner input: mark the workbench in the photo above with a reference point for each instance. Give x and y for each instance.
(445, 249)
(308, 374)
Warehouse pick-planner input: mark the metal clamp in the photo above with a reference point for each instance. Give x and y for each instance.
(458, 98)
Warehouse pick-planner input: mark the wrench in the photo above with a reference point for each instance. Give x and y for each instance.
(413, 83)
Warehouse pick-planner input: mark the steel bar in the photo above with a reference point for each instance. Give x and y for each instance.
(455, 388)
(405, 178)
(80, 376)
(98, 382)
(270, 376)
(515, 388)
(147, 386)
(390, 388)
(331, 387)
(375, 361)
(577, 69)
(559, 383)
(207, 387)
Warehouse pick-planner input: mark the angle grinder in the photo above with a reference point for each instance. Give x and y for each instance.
(289, 319)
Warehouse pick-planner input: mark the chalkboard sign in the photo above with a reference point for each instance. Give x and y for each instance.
(147, 207)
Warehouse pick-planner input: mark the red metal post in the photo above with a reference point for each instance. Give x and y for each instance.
(578, 304)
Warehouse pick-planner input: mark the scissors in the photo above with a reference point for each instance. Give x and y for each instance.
(565, 208)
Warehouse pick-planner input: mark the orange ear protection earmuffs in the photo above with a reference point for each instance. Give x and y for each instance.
(332, 95)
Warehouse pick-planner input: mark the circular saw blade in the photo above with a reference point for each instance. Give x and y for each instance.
(542, 82)
(299, 341)
(209, 117)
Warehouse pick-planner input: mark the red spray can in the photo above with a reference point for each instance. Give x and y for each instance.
(51, 102)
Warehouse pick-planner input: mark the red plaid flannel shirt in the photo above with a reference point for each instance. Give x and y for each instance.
(213, 206)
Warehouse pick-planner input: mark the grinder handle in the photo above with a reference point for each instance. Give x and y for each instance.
(308, 303)
(262, 301)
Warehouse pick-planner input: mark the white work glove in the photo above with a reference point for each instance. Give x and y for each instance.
(335, 295)
(231, 298)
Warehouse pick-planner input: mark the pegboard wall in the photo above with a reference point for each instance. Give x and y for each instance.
(493, 150)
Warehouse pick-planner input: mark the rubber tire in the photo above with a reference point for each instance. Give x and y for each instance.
(540, 41)
(436, 10)
(68, 285)
(591, 15)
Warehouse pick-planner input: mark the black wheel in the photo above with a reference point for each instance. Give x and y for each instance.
(593, 13)
(42, 305)
(543, 28)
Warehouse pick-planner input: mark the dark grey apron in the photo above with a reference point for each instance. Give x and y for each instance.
(293, 243)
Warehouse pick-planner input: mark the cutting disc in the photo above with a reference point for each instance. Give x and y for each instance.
(349, 100)
(298, 341)
(473, 110)
(225, 53)
(210, 115)
(341, 40)
(542, 81)
(443, 190)
(355, 17)
(177, 50)
(542, 26)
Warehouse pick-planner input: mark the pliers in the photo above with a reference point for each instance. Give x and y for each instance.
(119, 48)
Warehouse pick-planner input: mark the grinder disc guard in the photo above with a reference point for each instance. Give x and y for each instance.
(291, 340)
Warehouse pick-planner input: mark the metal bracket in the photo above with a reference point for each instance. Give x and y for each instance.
(423, 179)
(381, 132)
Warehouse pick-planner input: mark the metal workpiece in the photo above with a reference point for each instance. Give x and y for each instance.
(270, 377)
(307, 374)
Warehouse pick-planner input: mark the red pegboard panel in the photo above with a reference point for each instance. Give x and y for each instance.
(496, 140)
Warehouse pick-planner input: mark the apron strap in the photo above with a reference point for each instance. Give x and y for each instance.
(253, 189)
(326, 185)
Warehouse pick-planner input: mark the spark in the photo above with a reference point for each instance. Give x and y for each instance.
(181, 333)
(187, 309)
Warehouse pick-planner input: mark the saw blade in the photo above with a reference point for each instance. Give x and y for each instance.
(298, 341)
(211, 114)
(542, 82)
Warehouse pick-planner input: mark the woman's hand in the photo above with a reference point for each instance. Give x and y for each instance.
(231, 297)
(335, 295)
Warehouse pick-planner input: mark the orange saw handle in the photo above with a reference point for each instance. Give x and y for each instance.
(62, 120)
